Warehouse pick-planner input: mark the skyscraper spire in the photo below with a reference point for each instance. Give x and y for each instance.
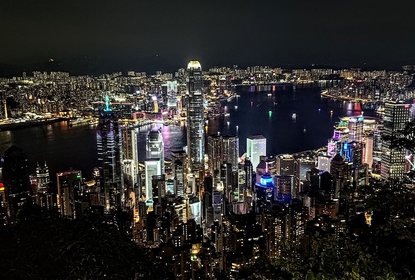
(107, 103)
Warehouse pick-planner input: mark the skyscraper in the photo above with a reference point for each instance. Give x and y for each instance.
(152, 168)
(256, 146)
(393, 159)
(109, 158)
(222, 149)
(42, 196)
(69, 193)
(130, 156)
(154, 164)
(195, 117)
(285, 165)
(16, 180)
(155, 147)
(230, 150)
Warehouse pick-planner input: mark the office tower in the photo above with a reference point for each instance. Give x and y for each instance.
(230, 150)
(249, 172)
(129, 144)
(271, 163)
(130, 156)
(239, 193)
(341, 134)
(109, 158)
(256, 146)
(152, 168)
(285, 165)
(302, 166)
(155, 147)
(158, 188)
(214, 151)
(69, 193)
(339, 171)
(43, 198)
(195, 117)
(179, 159)
(368, 150)
(171, 91)
(355, 126)
(16, 180)
(222, 149)
(393, 159)
(154, 164)
(284, 187)
(42, 177)
(323, 163)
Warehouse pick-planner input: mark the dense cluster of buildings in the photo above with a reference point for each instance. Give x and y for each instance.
(205, 209)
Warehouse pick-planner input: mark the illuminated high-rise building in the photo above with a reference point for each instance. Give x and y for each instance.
(171, 91)
(69, 193)
(368, 150)
(155, 147)
(154, 164)
(130, 156)
(256, 146)
(43, 197)
(109, 145)
(222, 149)
(230, 150)
(195, 117)
(393, 159)
(152, 168)
(285, 165)
(323, 163)
(355, 126)
(178, 160)
(214, 151)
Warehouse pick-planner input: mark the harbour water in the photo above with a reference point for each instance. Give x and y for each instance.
(291, 122)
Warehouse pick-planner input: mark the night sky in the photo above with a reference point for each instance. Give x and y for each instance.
(101, 35)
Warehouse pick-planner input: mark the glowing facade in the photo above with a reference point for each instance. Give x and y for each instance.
(222, 149)
(256, 146)
(195, 117)
(154, 164)
(109, 143)
(393, 159)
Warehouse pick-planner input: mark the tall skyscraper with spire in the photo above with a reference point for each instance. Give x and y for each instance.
(195, 117)
(109, 158)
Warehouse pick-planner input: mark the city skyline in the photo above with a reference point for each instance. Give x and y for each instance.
(156, 139)
(184, 168)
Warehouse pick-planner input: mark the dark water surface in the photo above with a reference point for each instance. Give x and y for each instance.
(269, 114)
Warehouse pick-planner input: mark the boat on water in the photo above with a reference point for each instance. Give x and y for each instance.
(294, 116)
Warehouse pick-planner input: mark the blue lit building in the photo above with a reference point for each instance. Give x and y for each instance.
(265, 188)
